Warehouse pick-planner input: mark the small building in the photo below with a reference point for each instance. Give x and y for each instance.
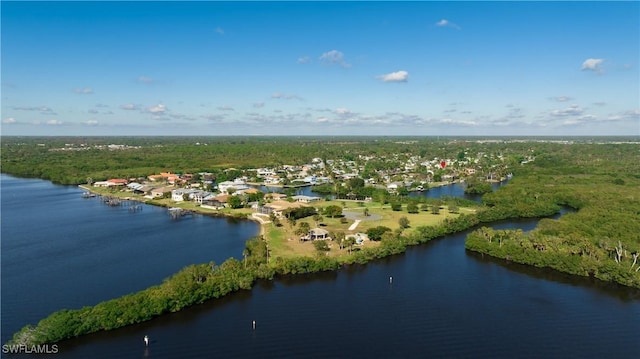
(316, 234)
(177, 195)
(213, 202)
(276, 196)
(117, 182)
(305, 199)
(277, 207)
(160, 192)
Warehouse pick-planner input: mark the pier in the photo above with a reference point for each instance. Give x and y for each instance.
(177, 213)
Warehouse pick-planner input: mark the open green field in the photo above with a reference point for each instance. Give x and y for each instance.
(283, 242)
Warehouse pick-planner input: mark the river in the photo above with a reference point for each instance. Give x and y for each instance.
(443, 301)
(450, 190)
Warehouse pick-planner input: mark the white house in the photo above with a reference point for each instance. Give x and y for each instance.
(177, 195)
(237, 184)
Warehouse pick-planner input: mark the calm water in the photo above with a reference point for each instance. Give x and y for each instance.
(62, 251)
(452, 190)
(443, 302)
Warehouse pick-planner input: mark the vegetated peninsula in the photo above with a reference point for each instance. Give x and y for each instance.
(366, 212)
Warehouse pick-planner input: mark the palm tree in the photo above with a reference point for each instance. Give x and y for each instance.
(245, 253)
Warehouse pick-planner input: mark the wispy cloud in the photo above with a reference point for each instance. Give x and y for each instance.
(447, 23)
(631, 115)
(9, 121)
(226, 108)
(593, 65)
(258, 105)
(398, 76)
(284, 96)
(129, 107)
(562, 98)
(83, 91)
(157, 109)
(304, 60)
(54, 123)
(581, 120)
(573, 110)
(214, 118)
(219, 30)
(91, 123)
(334, 57)
(42, 109)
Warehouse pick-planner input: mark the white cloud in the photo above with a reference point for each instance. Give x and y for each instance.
(343, 111)
(157, 109)
(334, 57)
(219, 30)
(84, 91)
(398, 76)
(129, 107)
(304, 60)
(225, 108)
(91, 123)
(573, 110)
(258, 104)
(563, 98)
(93, 111)
(9, 120)
(54, 122)
(592, 65)
(447, 23)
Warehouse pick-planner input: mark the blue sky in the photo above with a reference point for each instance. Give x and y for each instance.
(320, 68)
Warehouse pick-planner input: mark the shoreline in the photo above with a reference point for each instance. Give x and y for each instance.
(361, 257)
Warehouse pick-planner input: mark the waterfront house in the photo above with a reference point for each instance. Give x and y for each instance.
(117, 182)
(160, 192)
(136, 187)
(177, 195)
(212, 202)
(100, 184)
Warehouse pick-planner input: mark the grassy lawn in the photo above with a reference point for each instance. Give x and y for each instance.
(283, 242)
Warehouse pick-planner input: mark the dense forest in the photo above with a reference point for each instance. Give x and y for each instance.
(601, 239)
(598, 179)
(71, 160)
